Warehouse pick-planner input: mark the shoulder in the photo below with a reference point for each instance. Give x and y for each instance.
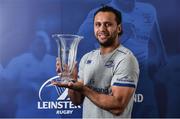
(125, 56)
(124, 52)
(91, 13)
(146, 7)
(22, 58)
(89, 55)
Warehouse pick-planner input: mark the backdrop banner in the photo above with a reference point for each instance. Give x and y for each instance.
(28, 54)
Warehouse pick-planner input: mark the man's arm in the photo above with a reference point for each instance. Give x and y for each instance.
(114, 103)
(75, 96)
(122, 87)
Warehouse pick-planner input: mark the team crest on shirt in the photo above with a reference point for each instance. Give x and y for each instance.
(109, 64)
(88, 61)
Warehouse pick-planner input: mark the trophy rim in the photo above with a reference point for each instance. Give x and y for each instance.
(68, 35)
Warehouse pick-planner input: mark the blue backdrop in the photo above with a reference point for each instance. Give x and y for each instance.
(28, 53)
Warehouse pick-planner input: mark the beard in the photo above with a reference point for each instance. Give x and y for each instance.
(109, 42)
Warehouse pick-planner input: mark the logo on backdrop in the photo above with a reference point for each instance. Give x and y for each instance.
(62, 105)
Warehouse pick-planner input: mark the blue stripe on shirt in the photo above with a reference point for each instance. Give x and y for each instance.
(124, 84)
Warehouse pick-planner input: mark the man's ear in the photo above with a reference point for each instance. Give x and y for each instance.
(119, 28)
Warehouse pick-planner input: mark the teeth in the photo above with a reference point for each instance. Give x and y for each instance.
(103, 35)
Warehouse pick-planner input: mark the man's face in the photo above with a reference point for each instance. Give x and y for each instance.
(106, 29)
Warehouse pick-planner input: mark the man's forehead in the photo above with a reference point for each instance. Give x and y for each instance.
(108, 16)
(105, 13)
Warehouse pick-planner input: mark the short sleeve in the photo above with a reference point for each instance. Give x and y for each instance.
(81, 67)
(126, 72)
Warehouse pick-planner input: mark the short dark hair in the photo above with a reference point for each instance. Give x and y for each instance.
(117, 13)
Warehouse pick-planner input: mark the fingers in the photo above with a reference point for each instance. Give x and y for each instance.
(75, 86)
(60, 68)
(61, 84)
(64, 69)
(60, 74)
(58, 65)
(75, 71)
(70, 84)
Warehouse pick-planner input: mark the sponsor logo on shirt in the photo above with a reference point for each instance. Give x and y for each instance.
(99, 90)
(109, 64)
(91, 84)
(125, 79)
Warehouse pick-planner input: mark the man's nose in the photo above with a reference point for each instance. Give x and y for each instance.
(102, 27)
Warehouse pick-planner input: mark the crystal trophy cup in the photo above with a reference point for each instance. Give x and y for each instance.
(67, 51)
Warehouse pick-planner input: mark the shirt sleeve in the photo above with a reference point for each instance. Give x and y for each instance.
(126, 72)
(81, 67)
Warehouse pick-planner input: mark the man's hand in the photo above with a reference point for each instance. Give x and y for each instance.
(77, 86)
(64, 71)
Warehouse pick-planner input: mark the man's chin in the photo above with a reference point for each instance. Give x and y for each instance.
(102, 43)
(105, 44)
(102, 40)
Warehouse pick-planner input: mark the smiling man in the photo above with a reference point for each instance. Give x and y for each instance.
(107, 77)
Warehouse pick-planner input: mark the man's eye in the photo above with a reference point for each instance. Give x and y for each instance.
(108, 24)
(97, 24)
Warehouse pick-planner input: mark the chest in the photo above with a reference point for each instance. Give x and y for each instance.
(99, 73)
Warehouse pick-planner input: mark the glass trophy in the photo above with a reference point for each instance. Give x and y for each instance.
(67, 51)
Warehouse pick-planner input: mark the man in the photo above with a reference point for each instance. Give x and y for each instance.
(107, 77)
(141, 34)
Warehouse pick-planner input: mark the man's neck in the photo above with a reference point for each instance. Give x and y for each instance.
(107, 50)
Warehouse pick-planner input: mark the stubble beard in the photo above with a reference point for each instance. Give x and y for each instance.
(109, 42)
